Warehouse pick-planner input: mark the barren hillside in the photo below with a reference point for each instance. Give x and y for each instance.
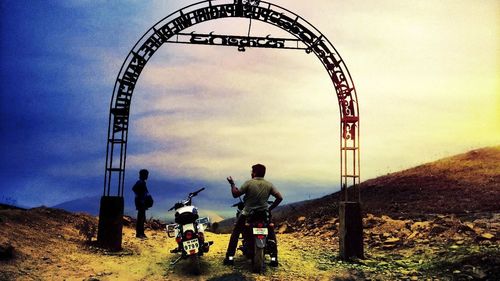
(460, 185)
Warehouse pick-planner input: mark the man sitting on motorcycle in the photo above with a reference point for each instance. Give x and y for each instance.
(257, 192)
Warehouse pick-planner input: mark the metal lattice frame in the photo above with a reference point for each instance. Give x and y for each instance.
(168, 30)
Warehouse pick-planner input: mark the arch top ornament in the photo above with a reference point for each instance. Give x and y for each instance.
(169, 30)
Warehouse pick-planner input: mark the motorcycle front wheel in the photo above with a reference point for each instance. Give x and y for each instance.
(258, 260)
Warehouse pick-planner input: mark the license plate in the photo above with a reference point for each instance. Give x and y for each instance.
(260, 231)
(191, 245)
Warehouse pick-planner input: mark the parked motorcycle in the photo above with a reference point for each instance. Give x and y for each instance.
(255, 237)
(189, 232)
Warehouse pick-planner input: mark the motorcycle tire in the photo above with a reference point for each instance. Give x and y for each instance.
(258, 260)
(195, 264)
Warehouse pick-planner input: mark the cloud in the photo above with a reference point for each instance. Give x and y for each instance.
(212, 148)
(227, 111)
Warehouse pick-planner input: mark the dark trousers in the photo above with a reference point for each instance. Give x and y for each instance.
(239, 227)
(141, 218)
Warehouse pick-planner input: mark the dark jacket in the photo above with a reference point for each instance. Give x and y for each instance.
(141, 190)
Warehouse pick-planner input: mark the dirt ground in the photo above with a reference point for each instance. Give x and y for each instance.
(47, 245)
(150, 259)
(301, 258)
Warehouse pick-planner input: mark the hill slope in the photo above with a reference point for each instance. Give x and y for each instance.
(465, 183)
(462, 184)
(89, 205)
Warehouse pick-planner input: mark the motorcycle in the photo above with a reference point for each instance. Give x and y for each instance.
(255, 237)
(189, 232)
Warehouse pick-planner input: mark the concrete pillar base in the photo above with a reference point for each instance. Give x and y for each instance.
(109, 234)
(350, 230)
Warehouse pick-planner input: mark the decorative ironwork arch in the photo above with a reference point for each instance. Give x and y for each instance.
(168, 30)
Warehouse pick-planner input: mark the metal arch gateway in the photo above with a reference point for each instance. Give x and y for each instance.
(169, 30)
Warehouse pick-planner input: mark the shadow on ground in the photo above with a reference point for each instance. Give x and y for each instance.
(231, 277)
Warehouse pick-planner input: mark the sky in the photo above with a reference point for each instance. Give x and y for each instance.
(427, 75)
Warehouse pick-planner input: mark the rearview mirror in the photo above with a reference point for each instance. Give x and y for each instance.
(171, 230)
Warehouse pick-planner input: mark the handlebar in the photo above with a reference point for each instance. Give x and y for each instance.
(176, 206)
(186, 202)
(193, 194)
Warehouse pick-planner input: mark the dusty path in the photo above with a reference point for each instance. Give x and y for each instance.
(150, 260)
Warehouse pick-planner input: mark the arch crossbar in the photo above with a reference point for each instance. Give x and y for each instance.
(173, 25)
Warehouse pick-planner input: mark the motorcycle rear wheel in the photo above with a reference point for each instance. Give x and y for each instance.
(195, 264)
(258, 260)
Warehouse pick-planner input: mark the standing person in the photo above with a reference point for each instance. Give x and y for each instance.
(257, 192)
(141, 190)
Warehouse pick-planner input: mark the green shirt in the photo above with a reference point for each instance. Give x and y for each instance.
(257, 192)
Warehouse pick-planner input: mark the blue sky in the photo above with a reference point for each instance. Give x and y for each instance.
(427, 76)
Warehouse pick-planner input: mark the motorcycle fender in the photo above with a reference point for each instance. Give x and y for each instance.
(260, 243)
(187, 227)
